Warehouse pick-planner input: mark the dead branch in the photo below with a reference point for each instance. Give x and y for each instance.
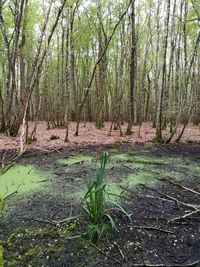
(15, 192)
(193, 206)
(177, 184)
(160, 198)
(107, 255)
(3, 160)
(66, 220)
(120, 251)
(166, 265)
(129, 168)
(152, 228)
(184, 216)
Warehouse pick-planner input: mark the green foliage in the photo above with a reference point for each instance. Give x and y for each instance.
(54, 137)
(29, 140)
(96, 205)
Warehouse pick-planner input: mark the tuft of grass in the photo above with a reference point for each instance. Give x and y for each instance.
(97, 206)
(1, 255)
(30, 140)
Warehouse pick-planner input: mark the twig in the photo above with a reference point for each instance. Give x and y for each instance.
(48, 150)
(166, 265)
(130, 168)
(120, 251)
(160, 198)
(3, 160)
(38, 220)
(68, 219)
(10, 163)
(15, 192)
(120, 196)
(5, 169)
(193, 206)
(105, 254)
(152, 228)
(175, 183)
(53, 222)
(184, 216)
(169, 180)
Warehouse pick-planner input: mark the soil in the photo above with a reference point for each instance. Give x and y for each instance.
(151, 239)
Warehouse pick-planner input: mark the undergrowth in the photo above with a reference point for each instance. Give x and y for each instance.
(97, 205)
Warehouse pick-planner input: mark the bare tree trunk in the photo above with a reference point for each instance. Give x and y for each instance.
(159, 119)
(133, 70)
(80, 108)
(67, 93)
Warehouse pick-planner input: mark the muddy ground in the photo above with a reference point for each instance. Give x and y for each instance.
(162, 233)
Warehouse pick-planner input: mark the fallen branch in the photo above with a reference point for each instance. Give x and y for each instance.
(184, 216)
(10, 164)
(177, 184)
(196, 208)
(130, 168)
(120, 251)
(38, 220)
(3, 200)
(6, 168)
(160, 198)
(3, 160)
(15, 192)
(193, 206)
(48, 150)
(107, 255)
(153, 229)
(166, 265)
(68, 219)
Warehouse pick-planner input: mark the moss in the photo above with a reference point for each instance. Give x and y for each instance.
(32, 252)
(86, 254)
(31, 246)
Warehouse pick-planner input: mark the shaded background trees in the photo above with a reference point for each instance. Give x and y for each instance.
(149, 70)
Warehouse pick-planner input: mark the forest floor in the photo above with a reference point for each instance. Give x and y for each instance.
(158, 184)
(89, 134)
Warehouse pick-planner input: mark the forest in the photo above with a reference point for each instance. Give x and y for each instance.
(99, 133)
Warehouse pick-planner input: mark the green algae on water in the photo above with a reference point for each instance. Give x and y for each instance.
(21, 178)
(140, 178)
(76, 159)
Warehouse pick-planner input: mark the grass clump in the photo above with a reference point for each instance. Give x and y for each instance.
(97, 206)
(1, 255)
